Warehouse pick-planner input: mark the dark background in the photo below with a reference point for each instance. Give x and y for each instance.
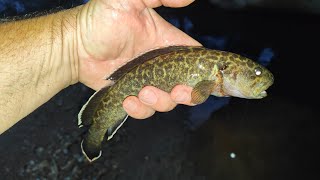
(272, 138)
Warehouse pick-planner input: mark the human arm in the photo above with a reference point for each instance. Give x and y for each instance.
(41, 56)
(34, 63)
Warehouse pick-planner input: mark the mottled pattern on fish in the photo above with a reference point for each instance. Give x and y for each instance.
(208, 71)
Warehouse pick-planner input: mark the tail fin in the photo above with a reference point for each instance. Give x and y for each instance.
(92, 153)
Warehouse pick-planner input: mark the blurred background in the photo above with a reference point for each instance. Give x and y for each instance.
(223, 138)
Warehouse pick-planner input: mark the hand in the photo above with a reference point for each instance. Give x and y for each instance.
(111, 32)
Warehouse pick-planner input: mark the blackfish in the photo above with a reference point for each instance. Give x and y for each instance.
(209, 72)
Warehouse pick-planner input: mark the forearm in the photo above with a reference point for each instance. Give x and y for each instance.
(37, 60)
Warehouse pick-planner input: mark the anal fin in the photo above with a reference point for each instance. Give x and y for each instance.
(112, 130)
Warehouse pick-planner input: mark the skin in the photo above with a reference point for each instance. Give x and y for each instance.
(41, 56)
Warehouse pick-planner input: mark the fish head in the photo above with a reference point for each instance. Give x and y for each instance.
(245, 78)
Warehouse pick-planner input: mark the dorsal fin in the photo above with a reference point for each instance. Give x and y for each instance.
(143, 58)
(86, 113)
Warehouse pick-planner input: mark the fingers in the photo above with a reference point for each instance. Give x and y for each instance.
(136, 109)
(181, 94)
(156, 99)
(151, 99)
(167, 3)
(176, 3)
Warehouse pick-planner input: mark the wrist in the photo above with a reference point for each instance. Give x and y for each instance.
(64, 46)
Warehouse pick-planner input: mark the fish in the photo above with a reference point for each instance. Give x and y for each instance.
(207, 71)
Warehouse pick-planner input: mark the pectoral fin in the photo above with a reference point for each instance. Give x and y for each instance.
(202, 91)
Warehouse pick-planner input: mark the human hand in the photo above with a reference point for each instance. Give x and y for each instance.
(111, 32)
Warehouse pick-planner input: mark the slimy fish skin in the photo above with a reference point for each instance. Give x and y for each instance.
(209, 72)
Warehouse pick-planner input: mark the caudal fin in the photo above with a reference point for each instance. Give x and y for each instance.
(92, 153)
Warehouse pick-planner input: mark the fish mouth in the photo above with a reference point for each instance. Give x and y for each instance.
(262, 91)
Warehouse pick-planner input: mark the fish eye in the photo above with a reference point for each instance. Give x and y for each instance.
(258, 71)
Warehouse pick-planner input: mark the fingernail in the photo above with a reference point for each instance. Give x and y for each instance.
(181, 97)
(148, 97)
(130, 106)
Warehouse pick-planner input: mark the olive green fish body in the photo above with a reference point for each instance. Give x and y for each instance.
(208, 71)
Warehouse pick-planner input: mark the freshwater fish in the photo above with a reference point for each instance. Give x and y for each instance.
(208, 71)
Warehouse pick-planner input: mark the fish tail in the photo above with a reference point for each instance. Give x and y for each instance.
(91, 144)
(92, 153)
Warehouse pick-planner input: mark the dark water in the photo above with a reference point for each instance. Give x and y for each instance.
(273, 138)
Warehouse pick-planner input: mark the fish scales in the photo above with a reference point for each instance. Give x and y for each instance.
(209, 72)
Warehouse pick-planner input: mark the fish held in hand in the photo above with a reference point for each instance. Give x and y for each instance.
(209, 72)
